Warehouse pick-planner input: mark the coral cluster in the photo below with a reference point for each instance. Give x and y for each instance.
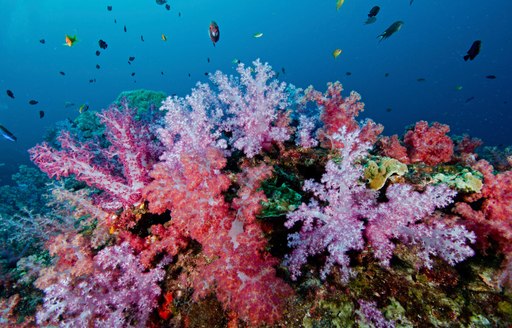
(273, 204)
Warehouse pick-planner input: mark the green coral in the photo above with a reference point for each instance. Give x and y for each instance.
(142, 99)
(379, 169)
(464, 180)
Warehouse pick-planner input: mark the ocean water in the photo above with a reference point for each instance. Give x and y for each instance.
(298, 36)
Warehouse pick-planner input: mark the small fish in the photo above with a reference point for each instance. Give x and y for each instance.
(179, 14)
(214, 32)
(490, 77)
(258, 35)
(392, 29)
(62, 73)
(98, 52)
(43, 41)
(109, 8)
(339, 3)
(70, 40)
(208, 59)
(124, 28)
(235, 61)
(282, 70)
(206, 73)
(102, 44)
(10, 94)
(348, 73)
(386, 74)
(410, 2)
(115, 21)
(33, 102)
(421, 79)
(164, 38)
(161, 2)
(133, 74)
(473, 51)
(469, 99)
(168, 6)
(142, 38)
(389, 109)
(336, 53)
(92, 80)
(41, 114)
(83, 108)
(162, 73)
(188, 74)
(374, 11)
(131, 58)
(97, 66)
(7, 134)
(458, 87)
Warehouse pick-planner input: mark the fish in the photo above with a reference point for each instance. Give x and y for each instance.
(214, 32)
(283, 70)
(258, 35)
(188, 74)
(208, 59)
(162, 73)
(97, 66)
(389, 109)
(10, 94)
(458, 87)
(43, 41)
(124, 28)
(131, 58)
(98, 52)
(62, 73)
(133, 74)
(348, 73)
(490, 77)
(164, 38)
(168, 6)
(473, 51)
(92, 80)
(142, 38)
(235, 61)
(102, 44)
(206, 73)
(109, 8)
(469, 99)
(179, 14)
(336, 53)
(33, 102)
(410, 2)
(386, 74)
(421, 79)
(41, 114)
(70, 40)
(392, 29)
(83, 108)
(374, 11)
(115, 21)
(339, 3)
(161, 2)
(7, 134)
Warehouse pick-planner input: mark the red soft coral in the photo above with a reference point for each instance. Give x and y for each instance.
(429, 144)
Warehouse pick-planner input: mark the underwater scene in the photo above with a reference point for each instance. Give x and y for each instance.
(186, 163)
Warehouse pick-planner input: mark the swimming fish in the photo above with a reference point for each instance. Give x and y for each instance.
(102, 44)
(160, 2)
(469, 99)
(62, 73)
(109, 8)
(339, 3)
(168, 6)
(348, 73)
(142, 38)
(473, 51)
(83, 108)
(421, 79)
(258, 35)
(164, 38)
(124, 28)
(336, 53)
(98, 52)
(491, 77)
(41, 114)
(214, 32)
(10, 93)
(131, 58)
(392, 29)
(7, 134)
(133, 74)
(43, 41)
(372, 15)
(33, 102)
(70, 40)
(97, 66)
(458, 87)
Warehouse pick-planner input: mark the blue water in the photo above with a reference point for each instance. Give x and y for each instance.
(298, 36)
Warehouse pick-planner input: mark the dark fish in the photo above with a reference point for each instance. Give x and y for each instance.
(392, 29)
(188, 74)
(389, 109)
(374, 11)
(125, 28)
(131, 58)
(92, 80)
(142, 38)
(168, 6)
(410, 2)
(109, 8)
(491, 77)
(206, 73)
(7, 134)
(62, 73)
(98, 52)
(421, 79)
(386, 74)
(162, 73)
(469, 99)
(43, 41)
(11, 94)
(97, 66)
(83, 108)
(102, 44)
(179, 14)
(41, 114)
(214, 32)
(33, 102)
(133, 74)
(115, 21)
(348, 73)
(282, 69)
(473, 51)
(208, 59)
(161, 2)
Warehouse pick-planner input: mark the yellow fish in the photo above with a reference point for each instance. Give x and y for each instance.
(164, 38)
(339, 3)
(258, 35)
(70, 40)
(336, 53)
